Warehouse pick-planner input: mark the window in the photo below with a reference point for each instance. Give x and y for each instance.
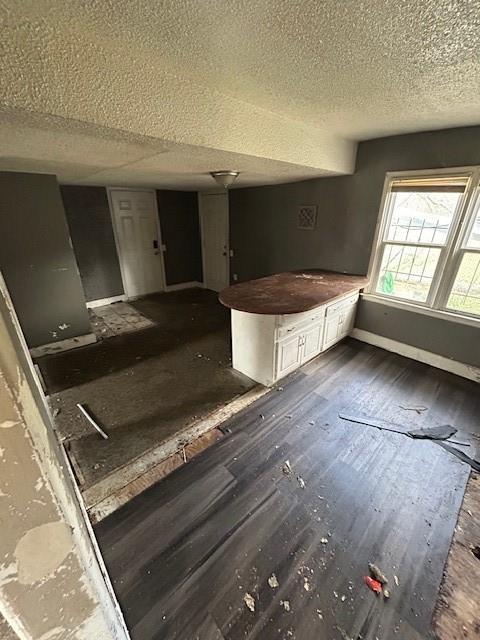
(428, 250)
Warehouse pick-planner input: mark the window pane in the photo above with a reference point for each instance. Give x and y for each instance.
(407, 272)
(465, 294)
(473, 241)
(423, 217)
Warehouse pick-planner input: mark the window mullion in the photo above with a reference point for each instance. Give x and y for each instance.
(455, 252)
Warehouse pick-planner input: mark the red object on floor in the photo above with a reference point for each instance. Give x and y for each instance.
(373, 584)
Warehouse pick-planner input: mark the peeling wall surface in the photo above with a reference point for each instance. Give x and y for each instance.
(50, 584)
(37, 259)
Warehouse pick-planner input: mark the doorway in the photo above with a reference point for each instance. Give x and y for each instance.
(214, 225)
(138, 238)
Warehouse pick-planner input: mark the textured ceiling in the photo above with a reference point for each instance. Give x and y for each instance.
(281, 83)
(79, 153)
(359, 68)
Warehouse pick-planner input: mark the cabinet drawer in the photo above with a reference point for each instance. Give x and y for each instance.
(291, 323)
(341, 305)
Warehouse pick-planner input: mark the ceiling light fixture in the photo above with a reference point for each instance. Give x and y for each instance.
(224, 178)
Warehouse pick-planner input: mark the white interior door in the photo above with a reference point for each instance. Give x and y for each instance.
(137, 233)
(213, 209)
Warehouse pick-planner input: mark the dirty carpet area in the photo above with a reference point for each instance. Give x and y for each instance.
(269, 533)
(142, 387)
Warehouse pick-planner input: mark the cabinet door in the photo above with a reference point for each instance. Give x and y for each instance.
(289, 353)
(312, 341)
(347, 320)
(332, 329)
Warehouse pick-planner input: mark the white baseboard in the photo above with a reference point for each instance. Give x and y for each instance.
(184, 285)
(103, 301)
(62, 345)
(427, 357)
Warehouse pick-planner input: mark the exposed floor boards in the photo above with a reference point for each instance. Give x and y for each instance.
(183, 554)
(144, 387)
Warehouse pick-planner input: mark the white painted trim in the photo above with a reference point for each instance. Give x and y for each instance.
(63, 345)
(117, 243)
(200, 196)
(184, 285)
(427, 357)
(100, 302)
(450, 253)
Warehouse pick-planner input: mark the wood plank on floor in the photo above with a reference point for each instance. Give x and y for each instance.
(183, 554)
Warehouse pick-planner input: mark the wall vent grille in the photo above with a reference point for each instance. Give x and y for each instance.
(307, 217)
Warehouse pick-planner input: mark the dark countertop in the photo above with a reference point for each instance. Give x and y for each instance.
(290, 292)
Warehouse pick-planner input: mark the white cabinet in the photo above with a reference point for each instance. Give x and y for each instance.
(339, 321)
(289, 355)
(331, 331)
(294, 351)
(268, 347)
(312, 341)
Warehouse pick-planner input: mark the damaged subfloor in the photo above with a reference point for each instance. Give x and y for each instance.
(268, 533)
(142, 386)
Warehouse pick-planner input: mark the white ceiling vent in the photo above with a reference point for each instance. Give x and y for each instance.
(307, 216)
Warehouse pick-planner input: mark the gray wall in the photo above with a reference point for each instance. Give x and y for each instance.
(88, 217)
(37, 259)
(264, 233)
(265, 238)
(428, 150)
(178, 211)
(449, 339)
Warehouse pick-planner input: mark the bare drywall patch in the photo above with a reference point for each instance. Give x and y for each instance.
(8, 424)
(42, 550)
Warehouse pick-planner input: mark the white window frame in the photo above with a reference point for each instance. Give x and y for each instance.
(450, 254)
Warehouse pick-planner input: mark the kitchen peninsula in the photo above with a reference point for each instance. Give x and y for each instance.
(282, 321)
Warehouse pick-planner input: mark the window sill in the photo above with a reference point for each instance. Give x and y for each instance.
(415, 308)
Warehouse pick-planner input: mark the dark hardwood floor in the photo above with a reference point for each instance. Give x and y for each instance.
(184, 554)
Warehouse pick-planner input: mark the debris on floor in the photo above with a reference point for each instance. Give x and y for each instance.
(418, 409)
(92, 421)
(116, 319)
(442, 442)
(373, 584)
(301, 482)
(249, 601)
(442, 432)
(377, 573)
(343, 633)
(285, 604)
(272, 581)
(287, 469)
